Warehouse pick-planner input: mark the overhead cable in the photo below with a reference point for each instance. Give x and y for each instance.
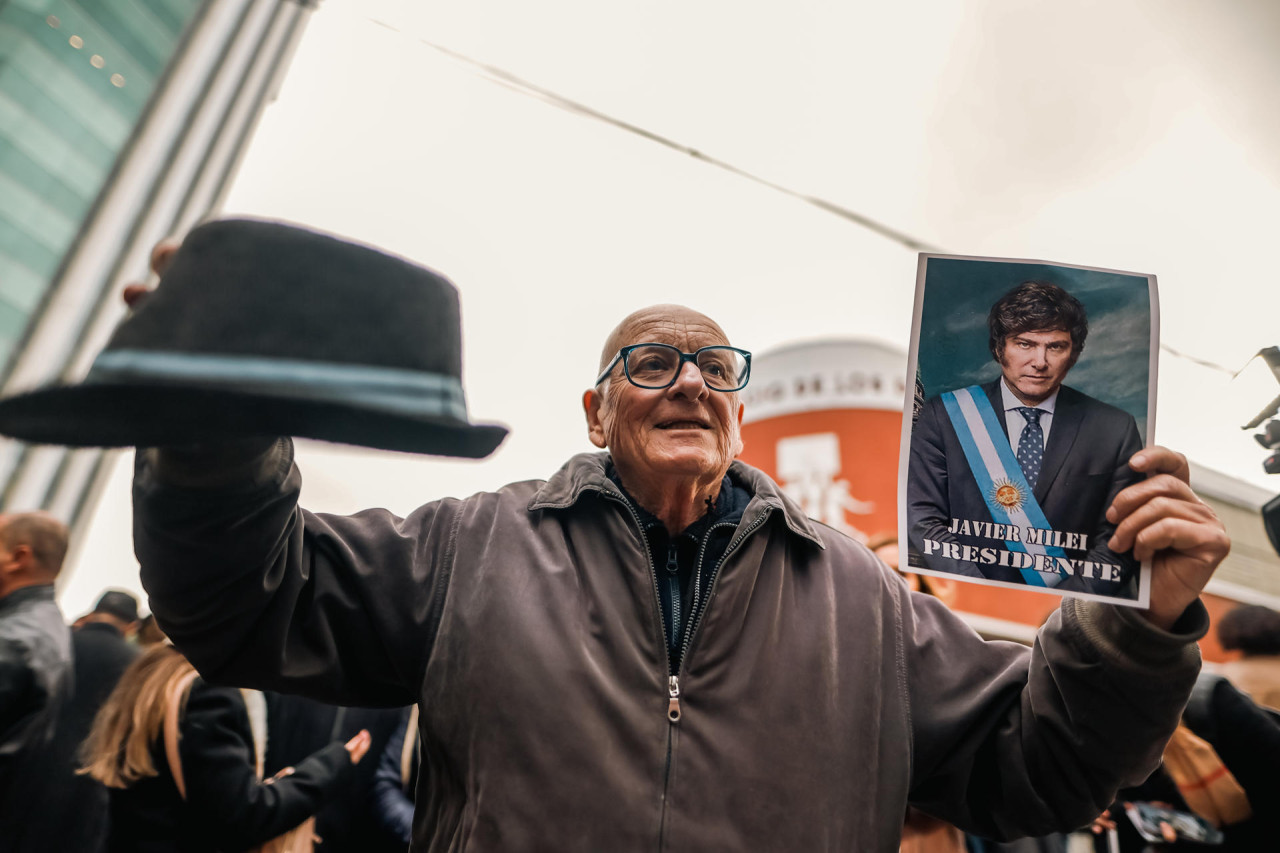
(555, 99)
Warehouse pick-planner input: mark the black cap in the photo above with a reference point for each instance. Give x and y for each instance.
(117, 603)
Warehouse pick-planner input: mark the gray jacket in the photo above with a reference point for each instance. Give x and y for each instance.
(35, 679)
(817, 697)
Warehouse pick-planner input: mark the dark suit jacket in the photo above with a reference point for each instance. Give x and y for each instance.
(1085, 465)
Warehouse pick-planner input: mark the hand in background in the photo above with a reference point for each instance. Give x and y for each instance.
(161, 256)
(359, 745)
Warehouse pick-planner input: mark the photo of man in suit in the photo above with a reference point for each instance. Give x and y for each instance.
(1010, 480)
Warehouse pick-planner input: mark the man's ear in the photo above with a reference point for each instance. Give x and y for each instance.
(738, 450)
(591, 402)
(19, 557)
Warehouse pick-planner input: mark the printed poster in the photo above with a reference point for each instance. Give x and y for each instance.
(1034, 384)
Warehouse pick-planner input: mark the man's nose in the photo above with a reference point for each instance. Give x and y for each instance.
(1040, 356)
(689, 381)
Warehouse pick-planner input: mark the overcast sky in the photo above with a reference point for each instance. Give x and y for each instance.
(1138, 136)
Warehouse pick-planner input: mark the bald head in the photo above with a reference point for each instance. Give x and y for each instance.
(37, 540)
(655, 320)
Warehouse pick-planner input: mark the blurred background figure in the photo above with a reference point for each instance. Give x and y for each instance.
(117, 610)
(35, 662)
(298, 727)
(397, 777)
(1254, 631)
(208, 795)
(73, 807)
(1221, 766)
(149, 632)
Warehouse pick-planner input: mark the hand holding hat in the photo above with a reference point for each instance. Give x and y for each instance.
(265, 329)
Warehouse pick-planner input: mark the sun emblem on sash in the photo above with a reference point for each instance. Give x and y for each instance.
(1007, 494)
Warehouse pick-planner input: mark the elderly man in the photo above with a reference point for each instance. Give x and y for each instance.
(654, 649)
(1057, 458)
(35, 658)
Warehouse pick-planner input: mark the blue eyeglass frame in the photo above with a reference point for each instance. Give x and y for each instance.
(684, 357)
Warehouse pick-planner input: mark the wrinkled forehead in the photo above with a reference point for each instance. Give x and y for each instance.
(665, 324)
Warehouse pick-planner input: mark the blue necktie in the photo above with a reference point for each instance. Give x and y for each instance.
(1031, 445)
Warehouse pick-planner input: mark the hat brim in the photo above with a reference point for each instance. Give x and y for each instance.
(153, 415)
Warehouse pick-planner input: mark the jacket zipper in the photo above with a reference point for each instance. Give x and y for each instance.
(673, 587)
(696, 616)
(697, 576)
(653, 575)
(673, 682)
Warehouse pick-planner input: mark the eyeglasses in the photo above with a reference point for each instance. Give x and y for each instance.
(657, 366)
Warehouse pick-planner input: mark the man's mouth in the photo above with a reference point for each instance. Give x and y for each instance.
(684, 424)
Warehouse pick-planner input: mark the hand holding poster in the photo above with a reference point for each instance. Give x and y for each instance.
(1022, 435)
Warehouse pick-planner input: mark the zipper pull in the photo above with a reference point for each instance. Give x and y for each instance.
(673, 705)
(673, 565)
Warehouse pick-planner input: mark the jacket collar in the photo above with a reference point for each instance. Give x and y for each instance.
(587, 472)
(37, 592)
(101, 628)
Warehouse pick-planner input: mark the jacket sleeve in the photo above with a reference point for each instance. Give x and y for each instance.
(1247, 739)
(1009, 741)
(224, 794)
(18, 691)
(393, 808)
(259, 593)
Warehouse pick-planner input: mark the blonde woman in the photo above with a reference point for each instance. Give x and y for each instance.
(216, 799)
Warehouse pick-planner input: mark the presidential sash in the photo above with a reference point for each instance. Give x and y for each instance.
(999, 476)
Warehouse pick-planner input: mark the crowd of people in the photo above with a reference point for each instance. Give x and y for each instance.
(110, 741)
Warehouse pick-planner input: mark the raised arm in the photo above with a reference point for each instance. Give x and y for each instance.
(257, 592)
(1008, 743)
(1004, 747)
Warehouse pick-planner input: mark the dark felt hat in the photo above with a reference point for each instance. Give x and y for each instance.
(260, 328)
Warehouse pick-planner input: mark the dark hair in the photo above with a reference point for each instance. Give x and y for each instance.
(1251, 628)
(1037, 306)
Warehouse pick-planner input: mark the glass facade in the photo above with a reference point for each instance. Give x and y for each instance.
(74, 81)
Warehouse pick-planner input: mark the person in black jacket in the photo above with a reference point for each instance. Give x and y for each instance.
(225, 806)
(296, 728)
(1246, 738)
(396, 778)
(102, 652)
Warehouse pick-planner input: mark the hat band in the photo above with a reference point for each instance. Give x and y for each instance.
(391, 389)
